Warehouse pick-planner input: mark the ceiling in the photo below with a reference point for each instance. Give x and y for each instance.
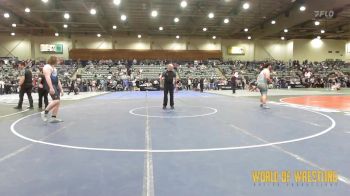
(47, 18)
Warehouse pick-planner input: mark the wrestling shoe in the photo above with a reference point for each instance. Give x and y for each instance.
(55, 120)
(44, 116)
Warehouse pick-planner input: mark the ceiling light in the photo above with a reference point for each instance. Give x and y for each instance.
(318, 37)
(317, 23)
(93, 11)
(65, 26)
(123, 17)
(160, 28)
(66, 16)
(45, 1)
(7, 15)
(322, 31)
(226, 20)
(246, 29)
(57, 34)
(249, 37)
(285, 30)
(14, 25)
(177, 37)
(98, 35)
(183, 4)
(154, 13)
(282, 38)
(114, 27)
(211, 15)
(27, 10)
(205, 29)
(139, 36)
(117, 2)
(246, 6)
(273, 22)
(302, 8)
(214, 37)
(176, 20)
(13, 34)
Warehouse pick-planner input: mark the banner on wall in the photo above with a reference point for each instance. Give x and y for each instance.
(236, 50)
(51, 48)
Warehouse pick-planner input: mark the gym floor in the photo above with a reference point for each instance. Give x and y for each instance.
(123, 143)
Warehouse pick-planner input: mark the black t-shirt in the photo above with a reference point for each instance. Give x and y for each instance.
(169, 77)
(233, 80)
(28, 80)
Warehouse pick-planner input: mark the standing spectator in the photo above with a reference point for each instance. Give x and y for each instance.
(26, 85)
(43, 92)
(2, 86)
(189, 83)
(201, 84)
(234, 82)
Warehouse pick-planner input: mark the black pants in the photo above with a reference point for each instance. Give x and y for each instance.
(233, 88)
(201, 87)
(168, 88)
(43, 94)
(28, 91)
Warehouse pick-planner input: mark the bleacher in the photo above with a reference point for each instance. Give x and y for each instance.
(194, 72)
(149, 71)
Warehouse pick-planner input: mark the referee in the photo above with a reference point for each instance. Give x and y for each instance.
(169, 77)
(25, 84)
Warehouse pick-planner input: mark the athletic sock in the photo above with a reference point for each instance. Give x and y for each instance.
(46, 112)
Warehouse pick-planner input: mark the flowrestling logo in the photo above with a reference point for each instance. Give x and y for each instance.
(328, 14)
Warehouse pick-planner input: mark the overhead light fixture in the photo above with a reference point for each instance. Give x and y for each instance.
(246, 5)
(139, 36)
(214, 37)
(322, 31)
(93, 11)
(27, 10)
(65, 26)
(183, 4)
(302, 8)
(123, 17)
(6, 15)
(273, 22)
(176, 20)
(282, 38)
(249, 37)
(160, 28)
(98, 35)
(45, 1)
(211, 15)
(154, 13)
(66, 16)
(285, 30)
(117, 2)
(13, 34)
(226, 20)
(178, 37)
(205, 29)
(57, 34)
(246, 30)
(114, 27)
(317, 23)
(14, 25)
